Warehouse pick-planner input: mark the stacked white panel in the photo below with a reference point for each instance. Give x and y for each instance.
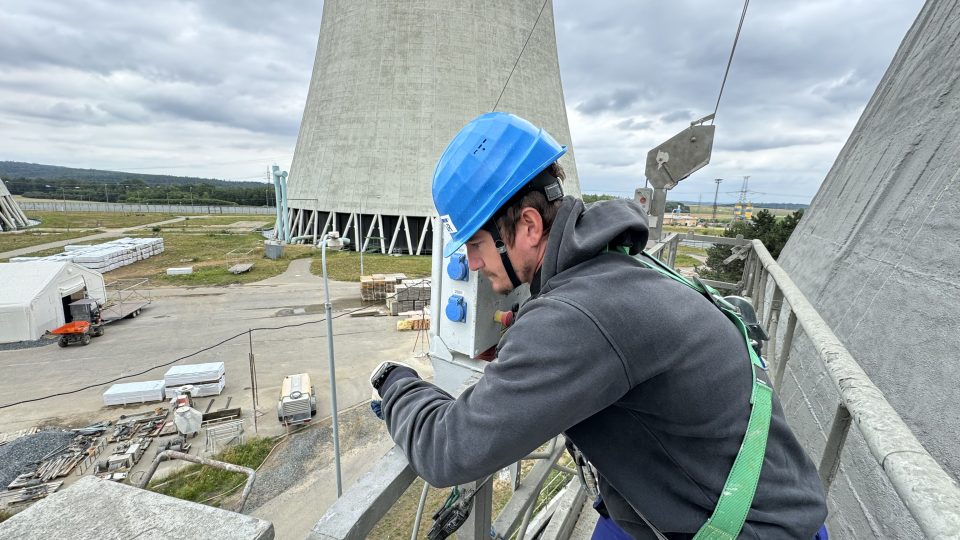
(135, 392)
(207, 379)
(107, 256)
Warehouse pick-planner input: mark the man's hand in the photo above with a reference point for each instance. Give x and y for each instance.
(388, 373)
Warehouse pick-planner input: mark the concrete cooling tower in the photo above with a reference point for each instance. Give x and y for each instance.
(392, 83)
(11, 216)
(878, 254)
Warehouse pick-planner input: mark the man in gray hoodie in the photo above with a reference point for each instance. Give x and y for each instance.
(646, 376)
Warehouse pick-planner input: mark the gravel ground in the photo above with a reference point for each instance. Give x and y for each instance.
(22, 455)
(17, 345)
(312, 449)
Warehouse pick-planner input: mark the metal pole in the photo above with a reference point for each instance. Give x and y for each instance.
(419, 516)
(715, 193)
(253, 382)
(328, 308)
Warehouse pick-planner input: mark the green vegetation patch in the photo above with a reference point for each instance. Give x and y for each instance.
(345, 265)
(686, 261)
(211, 255)
(708, 231)
(10, 241)
(87, 220)
(691, 250)
(207, 485)
(219, 219)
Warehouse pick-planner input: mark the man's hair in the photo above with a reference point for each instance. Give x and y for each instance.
(509, 214)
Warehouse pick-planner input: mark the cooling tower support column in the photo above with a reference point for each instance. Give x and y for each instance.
(11, 216)
(392, 84)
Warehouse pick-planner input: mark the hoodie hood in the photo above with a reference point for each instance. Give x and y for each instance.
(581, 232)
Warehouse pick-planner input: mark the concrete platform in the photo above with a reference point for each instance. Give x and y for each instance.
(94, 509)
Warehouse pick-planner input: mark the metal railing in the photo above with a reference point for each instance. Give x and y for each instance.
(929, 493)
(173, 454)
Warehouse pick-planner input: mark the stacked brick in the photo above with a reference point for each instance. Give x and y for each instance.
(379, 286)
(409, 295)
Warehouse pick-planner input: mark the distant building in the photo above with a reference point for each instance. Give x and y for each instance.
(682, 220)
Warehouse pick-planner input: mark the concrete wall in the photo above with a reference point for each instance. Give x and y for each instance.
(394, 81)
(877, 253)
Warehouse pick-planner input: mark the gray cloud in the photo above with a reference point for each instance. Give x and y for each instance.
(632, 124)
(799, 81)
(616, 101)
(677, 116)
(132, 84)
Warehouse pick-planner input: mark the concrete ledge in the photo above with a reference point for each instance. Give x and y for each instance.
(357, 512)
(95, 509)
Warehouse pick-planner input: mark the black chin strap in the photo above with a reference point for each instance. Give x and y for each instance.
(551, 188)
(491, 227)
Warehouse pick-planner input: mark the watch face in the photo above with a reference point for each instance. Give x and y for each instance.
(382, 375)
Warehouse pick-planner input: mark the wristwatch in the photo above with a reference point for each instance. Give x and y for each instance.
(380, 375)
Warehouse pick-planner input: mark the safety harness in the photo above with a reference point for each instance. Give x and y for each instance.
(736, 498)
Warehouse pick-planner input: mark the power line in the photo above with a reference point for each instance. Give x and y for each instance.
(165, 364)
(733, 49)
(502, 90)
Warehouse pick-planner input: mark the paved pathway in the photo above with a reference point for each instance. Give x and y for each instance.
(298, 273)
(110, 233)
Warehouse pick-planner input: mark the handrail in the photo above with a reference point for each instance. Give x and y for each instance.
(929, 492)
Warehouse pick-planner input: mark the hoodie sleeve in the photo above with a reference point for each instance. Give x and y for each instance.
(555, 368)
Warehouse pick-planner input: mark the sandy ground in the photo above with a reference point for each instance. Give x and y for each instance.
(181, 321)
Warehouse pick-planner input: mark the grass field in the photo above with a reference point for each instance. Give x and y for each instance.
(218, 220)
(708, 231)
(686, 261)
(12, 241)
(89, 220)
(207, 254)
(725, 213)
(345, 265)
(80, 224)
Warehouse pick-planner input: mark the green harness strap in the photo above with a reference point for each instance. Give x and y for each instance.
(728, 517)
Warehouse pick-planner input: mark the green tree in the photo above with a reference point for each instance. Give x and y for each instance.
(592, 197)
(764, 227)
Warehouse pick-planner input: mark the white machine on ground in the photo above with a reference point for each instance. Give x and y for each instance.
(298, 400)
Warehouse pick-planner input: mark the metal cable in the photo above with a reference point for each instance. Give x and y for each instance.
(502, 90)
(205, 349)
(733, 49)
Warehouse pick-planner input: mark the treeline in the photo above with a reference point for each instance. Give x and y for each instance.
(590, 197)
(140, 192)
(763, 226)
(36, 171)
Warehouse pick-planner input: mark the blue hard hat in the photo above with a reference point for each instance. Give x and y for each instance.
(489, 160)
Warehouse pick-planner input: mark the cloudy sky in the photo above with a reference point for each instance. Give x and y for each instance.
(216, 88)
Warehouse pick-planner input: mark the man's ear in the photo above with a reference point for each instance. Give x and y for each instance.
(530, 227)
